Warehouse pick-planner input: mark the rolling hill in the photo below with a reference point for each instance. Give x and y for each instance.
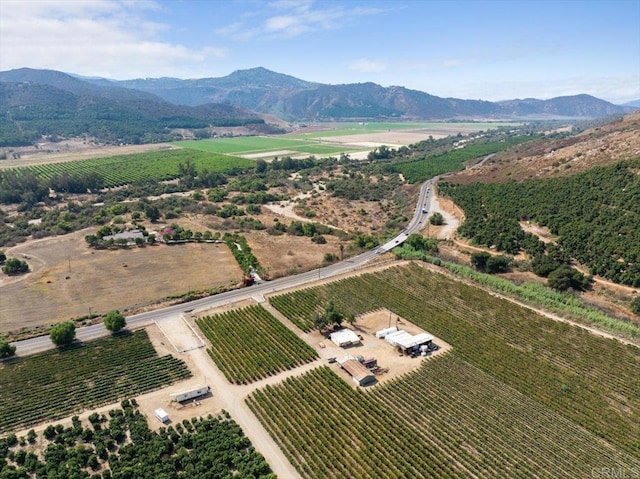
(43, 102)
(293, 99)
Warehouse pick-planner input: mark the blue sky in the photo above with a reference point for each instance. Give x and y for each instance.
(490, 50)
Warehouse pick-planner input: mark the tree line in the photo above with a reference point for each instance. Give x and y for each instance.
(595, 214)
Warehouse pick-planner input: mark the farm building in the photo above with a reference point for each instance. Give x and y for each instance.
(162, 415)
(344, 337)
(191, 394)
(408, 342)
(411, 342)
(360, 374)
(383, 333)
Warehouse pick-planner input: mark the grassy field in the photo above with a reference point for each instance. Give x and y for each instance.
(57, 383)
(250, 344)
(248, 145)
(590, 381)
(324, 141)
(152, 166)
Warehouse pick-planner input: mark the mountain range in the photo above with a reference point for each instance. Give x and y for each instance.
(292, 99)
(36, 102)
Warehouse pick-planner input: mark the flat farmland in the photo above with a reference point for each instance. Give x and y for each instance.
(68, 278)
(327, 130)
(126, 169)
(335, 138)
(252, 146)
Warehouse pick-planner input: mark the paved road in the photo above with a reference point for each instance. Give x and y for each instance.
(34, 345)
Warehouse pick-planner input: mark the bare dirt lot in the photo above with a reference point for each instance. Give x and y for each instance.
(284, 255)
(68, 278)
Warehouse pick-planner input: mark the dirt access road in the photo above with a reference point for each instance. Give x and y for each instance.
(231, 398)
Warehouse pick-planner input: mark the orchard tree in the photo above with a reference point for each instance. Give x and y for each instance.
(114, 321)
(6, 349)
(63, 333)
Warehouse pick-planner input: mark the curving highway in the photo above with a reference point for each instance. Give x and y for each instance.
(33, 345)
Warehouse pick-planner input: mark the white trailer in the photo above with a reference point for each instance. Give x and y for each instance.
(191, 394)
(162, 415)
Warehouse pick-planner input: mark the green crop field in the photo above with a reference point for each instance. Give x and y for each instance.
(586, 384)
(356, 128)
(57, 383)
(246, 145)
(126, 169)
(250, 344)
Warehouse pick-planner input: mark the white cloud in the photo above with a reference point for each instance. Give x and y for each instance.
(367, 66)
(291, 18)
(103, 38)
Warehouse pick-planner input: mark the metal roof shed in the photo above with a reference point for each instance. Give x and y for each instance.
(386, 331)
(390, 336)
(360, 374)
(413, 341)
(394, 338)
(344, 337)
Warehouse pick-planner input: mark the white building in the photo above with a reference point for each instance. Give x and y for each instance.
(344, 337)
(162, 415)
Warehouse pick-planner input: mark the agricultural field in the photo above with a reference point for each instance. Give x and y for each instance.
(329, 129)
(591, 381)
(152, 166)
(254, 145)
(120, 444)
(62, 267)
(57, 383)
(250, 344)
(417, 171)
(448, 419)
(336, 138)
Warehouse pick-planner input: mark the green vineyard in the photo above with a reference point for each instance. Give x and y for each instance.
(250, 344)
(329, 430)
(592, 381)
(447, 420)
(57, 383)
(126, 169)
